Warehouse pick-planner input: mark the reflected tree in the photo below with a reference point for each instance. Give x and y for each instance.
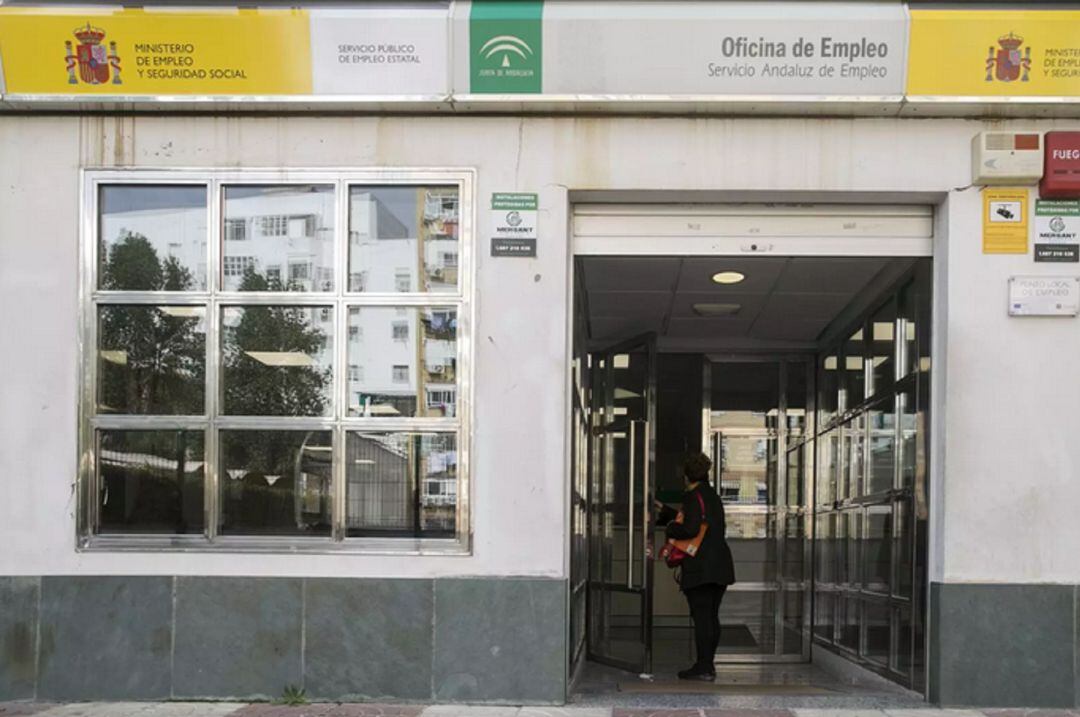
(276, 482)
(154, 359)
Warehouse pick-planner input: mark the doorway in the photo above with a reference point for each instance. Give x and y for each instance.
(807, 382)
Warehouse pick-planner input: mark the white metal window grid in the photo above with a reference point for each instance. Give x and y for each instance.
(215, 299)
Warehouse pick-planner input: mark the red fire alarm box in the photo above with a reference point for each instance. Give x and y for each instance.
(1061, 170)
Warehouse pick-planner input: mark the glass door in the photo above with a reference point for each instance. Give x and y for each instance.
(620, 498)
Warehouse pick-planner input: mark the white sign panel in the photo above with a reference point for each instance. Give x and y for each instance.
(380, 51)
(1044, 295)
(724, 48)
(1057, 221)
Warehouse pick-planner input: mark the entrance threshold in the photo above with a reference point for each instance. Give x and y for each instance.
(760, 686)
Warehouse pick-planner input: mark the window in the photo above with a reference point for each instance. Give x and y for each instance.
(298, 272)
(237, 265)
(214, 418)
(275, 226)
(235, 229)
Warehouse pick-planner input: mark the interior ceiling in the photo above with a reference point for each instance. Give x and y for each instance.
(784, 302)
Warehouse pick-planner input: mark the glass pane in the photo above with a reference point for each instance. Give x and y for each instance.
(402, 362)
(829, 378)
(880, 465)
(849, 624)
(278, 237)
(883, 348)
(878, 632)
(905, 544)
(796, 398)
(793, 549)
(151, 359)
(745, 395)
(748, 623)
(795, 473)
(151, 481)
(744, 469)
(275, 482)
(909, 314)
(276, 360)
(403, 239)
(828, 467)
(851, 474)
(909, 439)
(401, 484)
(152, 238)
(854, 370)
(903, 663)
(793, 621)
(824, 615)
(825, 549)
(847, 534)
(877, 548)
(752, 539)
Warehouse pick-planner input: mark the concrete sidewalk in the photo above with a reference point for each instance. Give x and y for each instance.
(233, 709)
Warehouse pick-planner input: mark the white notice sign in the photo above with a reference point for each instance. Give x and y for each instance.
(1044, 295)
(685, 48)
(379, 51)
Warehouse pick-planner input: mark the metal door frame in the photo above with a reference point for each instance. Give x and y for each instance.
(645, 590)
(780, 507)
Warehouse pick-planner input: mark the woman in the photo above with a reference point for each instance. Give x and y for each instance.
(706, 575)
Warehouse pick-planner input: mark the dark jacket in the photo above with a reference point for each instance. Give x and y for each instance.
(713, 563)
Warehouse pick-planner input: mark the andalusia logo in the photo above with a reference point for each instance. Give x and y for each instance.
(90, 56)
(505, 47)
(1006, 63)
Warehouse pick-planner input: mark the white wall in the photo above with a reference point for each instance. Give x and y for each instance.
(1010, 487)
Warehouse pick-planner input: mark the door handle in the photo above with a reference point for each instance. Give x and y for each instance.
(630, 513)
(646, 502)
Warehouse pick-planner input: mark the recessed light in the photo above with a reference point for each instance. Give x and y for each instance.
(716, 309)
(728, 277)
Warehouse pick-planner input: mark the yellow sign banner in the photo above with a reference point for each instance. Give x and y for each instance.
(994, 53)
(155, 52)
(1005, 221)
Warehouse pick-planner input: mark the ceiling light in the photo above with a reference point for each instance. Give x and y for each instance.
(728, 277)
(717, 309)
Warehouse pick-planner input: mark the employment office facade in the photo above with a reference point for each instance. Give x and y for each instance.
(306, 349)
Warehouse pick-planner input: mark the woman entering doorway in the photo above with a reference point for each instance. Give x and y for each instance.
(704, 576)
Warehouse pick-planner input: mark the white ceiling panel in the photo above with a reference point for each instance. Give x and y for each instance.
(631, 274)
(614, 304)
(750, 304)
(803, 275)
(706, 328)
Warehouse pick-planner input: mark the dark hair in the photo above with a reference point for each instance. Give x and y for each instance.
(696, 467)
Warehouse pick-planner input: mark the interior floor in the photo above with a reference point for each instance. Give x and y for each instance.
(764, 686)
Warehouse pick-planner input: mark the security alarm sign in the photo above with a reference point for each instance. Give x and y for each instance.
(1057, 228)
(513, 224)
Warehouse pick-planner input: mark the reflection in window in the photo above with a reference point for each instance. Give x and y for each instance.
(412, 370)
(275, 361)
(854, 371)
(275, 482)
(882, 450)
(151, 481)
(401, 484)
(151, 359)
(393, 229)
(883, 348)
(830, 387)
(290, 225)
(152, 238)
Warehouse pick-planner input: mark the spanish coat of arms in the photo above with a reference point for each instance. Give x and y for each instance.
(94, 63)
(1006, 63)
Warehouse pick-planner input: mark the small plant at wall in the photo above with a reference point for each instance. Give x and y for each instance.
(293, 695)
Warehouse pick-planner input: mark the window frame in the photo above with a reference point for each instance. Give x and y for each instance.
(214, 299)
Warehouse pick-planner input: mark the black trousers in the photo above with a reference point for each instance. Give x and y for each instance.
(704, 602)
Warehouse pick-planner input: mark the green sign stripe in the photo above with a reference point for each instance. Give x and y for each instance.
(507, 10)
(506, 47)
(513, 201)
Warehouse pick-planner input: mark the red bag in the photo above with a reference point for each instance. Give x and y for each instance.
(675, 551)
